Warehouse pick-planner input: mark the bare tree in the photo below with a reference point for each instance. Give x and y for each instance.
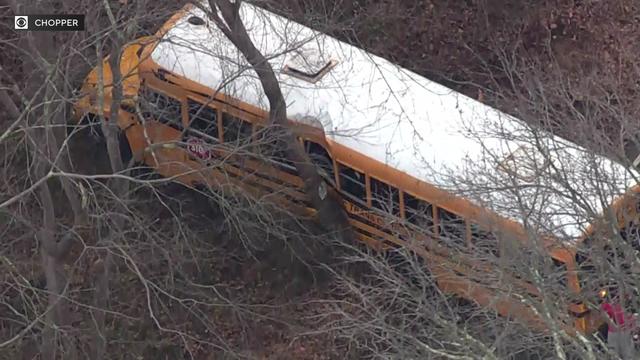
(129, 262)
(143, 266)
(226, 15)
(552, 100)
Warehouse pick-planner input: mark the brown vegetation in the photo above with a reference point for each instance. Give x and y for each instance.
(99, 260)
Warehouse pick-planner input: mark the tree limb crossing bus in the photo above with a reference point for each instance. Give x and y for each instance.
(387, 140)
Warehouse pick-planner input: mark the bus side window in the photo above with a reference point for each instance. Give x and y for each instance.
(559, 274)
(484, 241)
(631, 234)
(321, 159)
(452, 228)
(270, 144)
(384, 197)
(352, 182)
(162, 108)
(204, 120)
(235, 130)
(587, 271)
(418, 212)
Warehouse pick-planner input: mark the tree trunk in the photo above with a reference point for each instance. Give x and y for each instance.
(42, 114)
(118, 186)
(325, 200)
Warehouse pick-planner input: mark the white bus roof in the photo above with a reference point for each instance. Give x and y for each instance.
(402, 119)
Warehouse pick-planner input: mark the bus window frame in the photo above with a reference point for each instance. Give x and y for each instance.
(305, 140)
(433, 230)
(184, 112)
(474, 245)
(211, 104)
(280, 159)
(182, 99)
(401, 198)
(242, 113)
(572, 276)
(436, 221)
(565, 277)
(464, 223)
(240, 140)
(234, 111)
(391, 187)
(336, 173)
(219, 117)
(339, 182)
(367, 184)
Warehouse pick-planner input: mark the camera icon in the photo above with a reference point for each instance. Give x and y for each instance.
(21, 22)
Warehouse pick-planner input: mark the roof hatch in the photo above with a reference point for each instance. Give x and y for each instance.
(525, 163)
(308, 64)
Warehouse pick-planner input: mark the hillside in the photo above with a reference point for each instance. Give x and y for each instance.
(198, 276)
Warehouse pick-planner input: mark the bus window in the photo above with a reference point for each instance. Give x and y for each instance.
(614, 257)
(203, 119)
(235, 130)
(559, 274)
(588, 278)
(162, 108)
(484, 241)
(320, 158)
(452, 228)
(271, 145)
(631, 234)
(418, 212)
(385, 197)
(352, 182)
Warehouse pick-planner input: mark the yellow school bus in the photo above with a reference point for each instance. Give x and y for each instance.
(387, 140)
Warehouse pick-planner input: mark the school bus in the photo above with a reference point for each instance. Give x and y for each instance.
(384, 138)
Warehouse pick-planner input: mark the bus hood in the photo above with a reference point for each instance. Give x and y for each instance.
(129, 70)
